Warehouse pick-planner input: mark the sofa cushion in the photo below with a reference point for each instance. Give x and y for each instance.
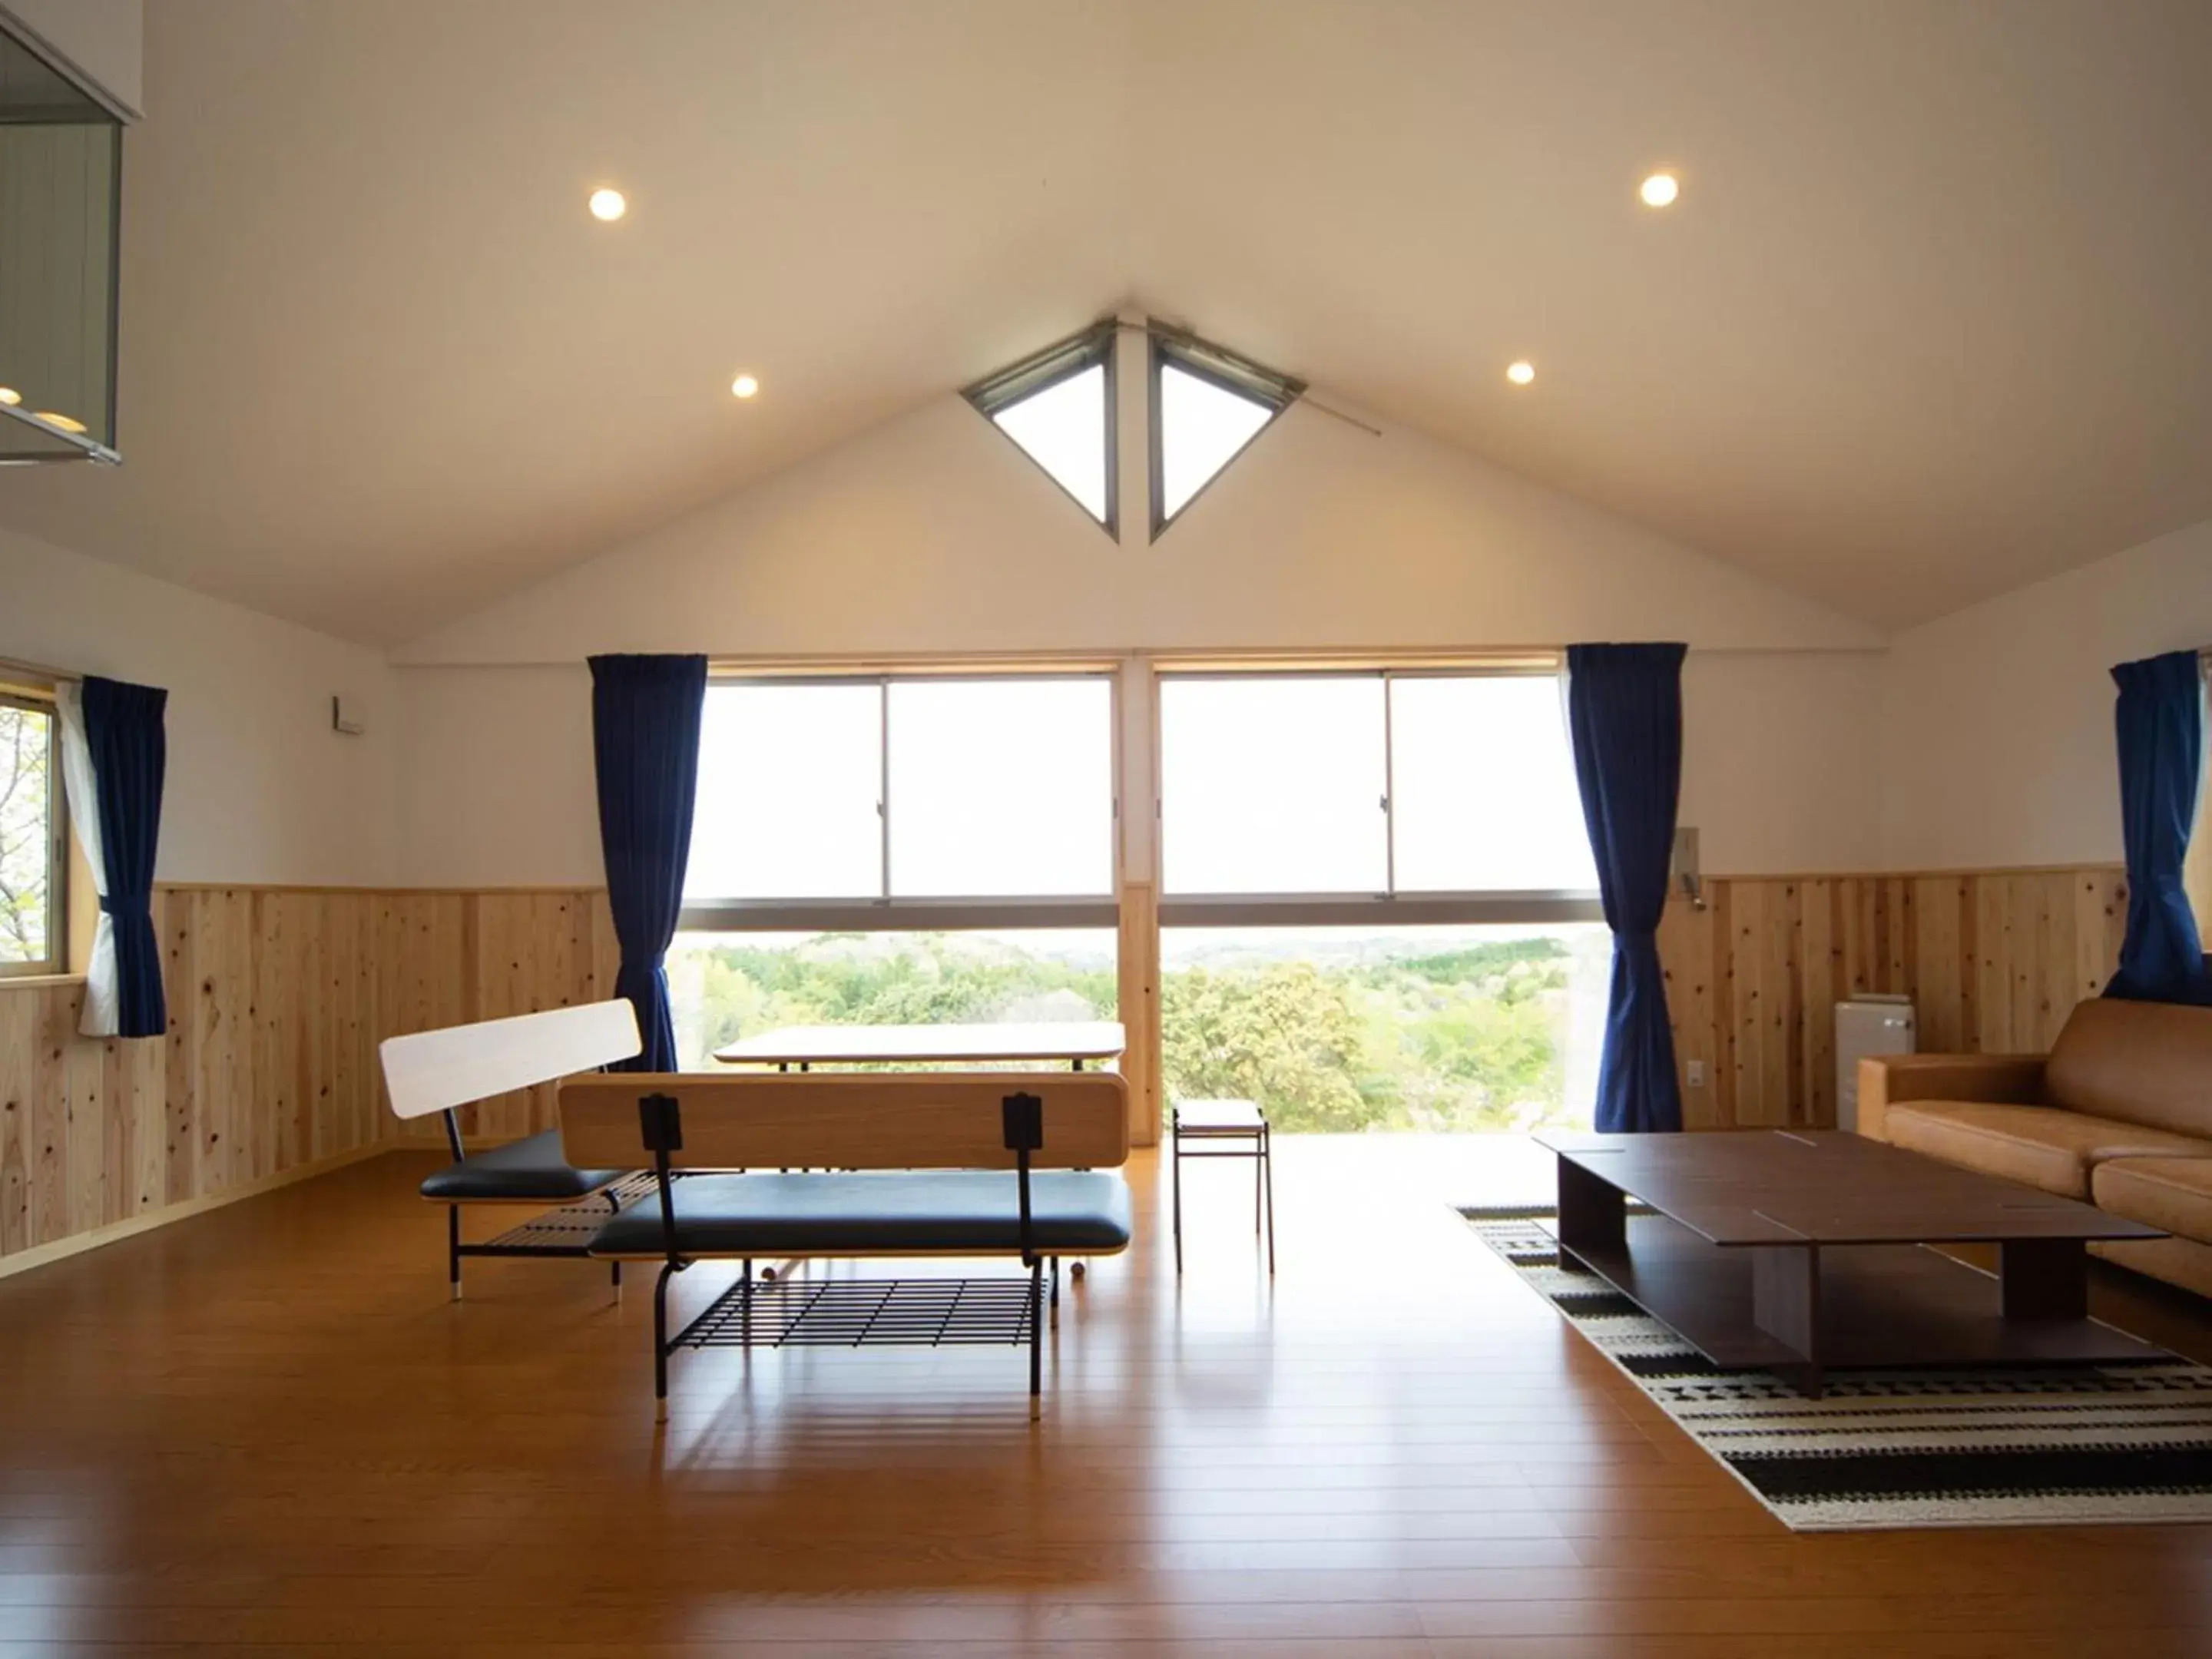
(2137, 1062)
(2173, 1194)
(2036, 1145)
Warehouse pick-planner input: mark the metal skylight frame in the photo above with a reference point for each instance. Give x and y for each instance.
(1059, 361)
(1219, 367)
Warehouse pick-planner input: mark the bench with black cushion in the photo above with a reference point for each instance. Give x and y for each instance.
(878, 1212)
(901, 1163)
(530, 1170)
(440, 1072)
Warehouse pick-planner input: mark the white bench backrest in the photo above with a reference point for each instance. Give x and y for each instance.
(427, 1071)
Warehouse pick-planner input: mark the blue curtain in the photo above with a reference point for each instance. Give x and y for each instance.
(2161, 719)
(129, 748)
(644, 739)
(1624, 714)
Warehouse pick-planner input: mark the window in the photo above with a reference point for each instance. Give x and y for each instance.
(1207, 404)
(1378, 908)
(823, 802)
(1367, 787)
(1274, 786)
(1058, 408)
(34, 850)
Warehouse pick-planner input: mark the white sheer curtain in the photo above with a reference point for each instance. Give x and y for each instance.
(102, 1006)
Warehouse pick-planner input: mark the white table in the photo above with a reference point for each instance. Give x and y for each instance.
(1077, 1042)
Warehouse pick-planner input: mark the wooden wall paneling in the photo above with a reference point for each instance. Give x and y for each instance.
(2100, 922)
(354, 1081)
(1994, 962)
(273, 939)
(1722, 977)
(49, 1141)
(144, 1067)
(83, 1179)
(1816, 979)
(279, 997)
(1747, 991)
(241, 1105)
(1939, 968)
(2033, 939)
(21, 1013)
(1686, 953)
(2054, 956)
(1993, 967)
(180, 1080)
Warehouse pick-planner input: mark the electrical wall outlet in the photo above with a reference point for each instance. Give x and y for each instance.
(1697, 1071)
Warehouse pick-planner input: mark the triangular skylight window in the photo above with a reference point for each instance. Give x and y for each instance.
(1207, 405)
(1058, 408)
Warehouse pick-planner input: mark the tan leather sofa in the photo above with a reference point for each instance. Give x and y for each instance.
(2118, 1114)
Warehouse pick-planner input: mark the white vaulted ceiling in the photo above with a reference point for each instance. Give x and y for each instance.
(1932, 318)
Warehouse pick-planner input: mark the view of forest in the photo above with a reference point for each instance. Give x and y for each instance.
(26, 761)
(1376, 1032)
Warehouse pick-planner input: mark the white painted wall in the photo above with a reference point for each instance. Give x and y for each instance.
(1781, 764)
(260, 788)
(497, 789)
(934, 534)
(1998, 742)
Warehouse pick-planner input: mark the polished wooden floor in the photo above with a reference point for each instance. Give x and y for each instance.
(266, 1430)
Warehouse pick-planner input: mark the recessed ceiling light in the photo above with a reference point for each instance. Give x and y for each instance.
(67, 423)
(10, 395)
(1520, 372)
(744, 386)
(1660, 189)
(608, 206)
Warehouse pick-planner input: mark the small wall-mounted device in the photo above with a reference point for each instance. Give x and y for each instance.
(345, 716)
(1687, 877)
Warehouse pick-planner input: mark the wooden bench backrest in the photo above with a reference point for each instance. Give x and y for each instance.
(427, 1071)
(848, 1120)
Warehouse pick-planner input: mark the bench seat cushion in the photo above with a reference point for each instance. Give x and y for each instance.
(1072, 1212)
(531, 1169)
(2036, 1145)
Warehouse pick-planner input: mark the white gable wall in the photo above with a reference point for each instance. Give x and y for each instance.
(934, 534)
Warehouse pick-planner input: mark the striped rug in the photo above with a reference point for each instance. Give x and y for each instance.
(2002, 1447)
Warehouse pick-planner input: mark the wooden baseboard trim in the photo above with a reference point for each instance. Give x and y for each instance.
(76, 1243)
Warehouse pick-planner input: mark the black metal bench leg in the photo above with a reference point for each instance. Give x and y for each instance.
(660, 1344)
(1036, 1339)
(453, 1249)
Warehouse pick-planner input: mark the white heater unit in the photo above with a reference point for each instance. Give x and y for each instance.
(1868, 1028)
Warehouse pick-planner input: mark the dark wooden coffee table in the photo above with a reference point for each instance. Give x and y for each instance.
(1800, 1252)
